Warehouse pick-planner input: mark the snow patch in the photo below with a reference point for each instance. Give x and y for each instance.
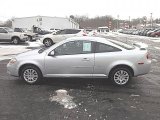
(156, 40)
(64, 99)
(154, 60)
(157, 48)
(5, 57)
(35, 44)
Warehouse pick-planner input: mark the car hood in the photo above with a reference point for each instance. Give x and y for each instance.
(17, 33)
(48, 35)
(28, 53)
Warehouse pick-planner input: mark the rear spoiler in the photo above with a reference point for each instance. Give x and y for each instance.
(142, 46)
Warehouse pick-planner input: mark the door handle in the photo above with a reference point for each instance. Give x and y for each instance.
(86, 59)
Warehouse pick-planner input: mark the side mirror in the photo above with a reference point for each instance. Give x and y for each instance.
(52, 53)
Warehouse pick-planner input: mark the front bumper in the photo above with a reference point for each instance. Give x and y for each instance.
(24, 39)
(12, 70)
(36, 37)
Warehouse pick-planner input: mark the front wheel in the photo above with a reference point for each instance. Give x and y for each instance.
(48, 42)
(120, 76)
(31, 74)
(15, 40)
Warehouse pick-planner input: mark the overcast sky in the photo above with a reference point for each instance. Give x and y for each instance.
(92, 8)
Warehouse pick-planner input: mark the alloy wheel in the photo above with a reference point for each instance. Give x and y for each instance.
(30, 75)
(121, 77)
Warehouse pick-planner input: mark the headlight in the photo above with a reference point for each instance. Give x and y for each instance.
(22, 35)
(13, 61)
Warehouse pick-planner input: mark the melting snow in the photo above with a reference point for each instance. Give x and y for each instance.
(157, 48)
(64, 99)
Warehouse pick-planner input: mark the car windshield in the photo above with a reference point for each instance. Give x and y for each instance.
(24, 29)
(123, 45)
(9, 29)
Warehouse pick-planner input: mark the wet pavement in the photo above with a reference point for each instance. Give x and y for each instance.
(92, 99)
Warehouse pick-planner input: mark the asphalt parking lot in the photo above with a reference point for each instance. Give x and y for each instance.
(85, 99)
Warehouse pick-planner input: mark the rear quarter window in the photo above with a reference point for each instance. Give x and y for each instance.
(123, 45)
(101, 47)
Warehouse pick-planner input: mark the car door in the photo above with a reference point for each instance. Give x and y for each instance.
(4, 35)
(71, 59)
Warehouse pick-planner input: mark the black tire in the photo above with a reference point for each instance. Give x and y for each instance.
(123, 78)
(31, 79)
(48, 42)
(15, 40)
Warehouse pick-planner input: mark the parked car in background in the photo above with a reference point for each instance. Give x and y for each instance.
(92, 33)
(155, 34)
(54, 31)
(51, 39)
(146, 31)
(31, 36)
(152, 31)
(40, 31)
(8, 35)
(82, 57)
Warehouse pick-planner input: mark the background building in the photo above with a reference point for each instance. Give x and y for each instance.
(44, 22)
(1, 23)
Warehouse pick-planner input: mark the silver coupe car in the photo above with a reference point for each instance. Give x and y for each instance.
(83, 57)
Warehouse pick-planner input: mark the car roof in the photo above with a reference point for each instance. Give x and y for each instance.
(97, 39)
(86, 38)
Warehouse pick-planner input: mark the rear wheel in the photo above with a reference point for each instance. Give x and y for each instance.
(48, 42)
(31, 74)
(120, 76)
(15, 40)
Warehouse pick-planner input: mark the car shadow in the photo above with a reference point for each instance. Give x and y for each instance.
(83, 84)
(11, 44)
(90, 84)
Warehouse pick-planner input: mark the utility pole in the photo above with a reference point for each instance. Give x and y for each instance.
(151, 21)
(117, 21)
(129, 22)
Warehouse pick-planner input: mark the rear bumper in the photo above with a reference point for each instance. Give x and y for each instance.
(143, 68)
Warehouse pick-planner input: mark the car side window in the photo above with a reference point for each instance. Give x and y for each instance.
(61, 32)
(2, 30)
(101, 47)
(17, 30)
(74, 47)
(72, 31)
